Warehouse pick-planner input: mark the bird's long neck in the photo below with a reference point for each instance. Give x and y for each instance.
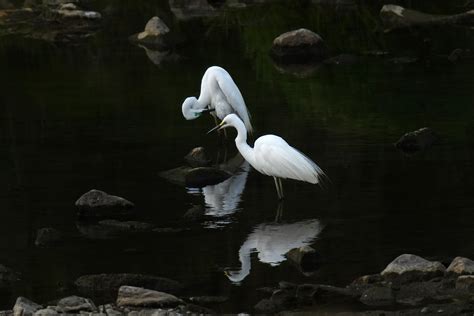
(245, 261)
(202, 102)
(241, 142)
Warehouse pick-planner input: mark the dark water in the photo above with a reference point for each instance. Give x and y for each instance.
(104, 116)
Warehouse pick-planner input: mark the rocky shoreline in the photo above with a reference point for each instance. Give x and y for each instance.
(409, 285)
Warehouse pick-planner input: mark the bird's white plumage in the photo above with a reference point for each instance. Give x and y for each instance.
(219, 92)
(273, 156)
(272, 241)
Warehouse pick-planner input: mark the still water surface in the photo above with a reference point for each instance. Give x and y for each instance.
(105, 116)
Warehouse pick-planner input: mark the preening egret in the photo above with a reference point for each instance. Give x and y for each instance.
(272, 156)
(219, 93)
(271, 242)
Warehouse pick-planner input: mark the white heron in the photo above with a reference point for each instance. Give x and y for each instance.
(219, 93)
(272, 156)
(271, 242)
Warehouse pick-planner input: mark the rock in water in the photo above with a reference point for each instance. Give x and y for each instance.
(97, 203)
(418, 140)
(396, 17)
(299, 46)
(47, 236)
(304, 257)
(7, 277)
(195, 214)
(105, 285)
(154, 34)
(461, 266)
(203, 176)
(176, 175)
(408, 267)
(140, 297)
(465, 283)
(197, 158)
(24, 306)
(75, 304)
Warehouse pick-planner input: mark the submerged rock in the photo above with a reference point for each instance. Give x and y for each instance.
(47, 236)
(24, 306)
(140, 297)
(7, 277)
(298, 46)
(190, 9)
(176, 175)
(96, 203)
(396, 17)
(105, 285)
(75, 304)
(153, 35)
(460, 266)
(203, 176)
(408, 267)
(196, 213)
(197, 158)
(305, 257)
(342, 59)
(127, 226)
(208, 300)
(418, 140)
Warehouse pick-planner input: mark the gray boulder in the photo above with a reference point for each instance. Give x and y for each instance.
(190, 9)
(140, 297)
(25, 307)
(50, 310)
(397, 17)
(298, 46)
(96, 203)
(47, 236)
(153, 35)
(106, 285)
(203, 176)
(75, 304)
(408, 267)
(420, 139)
(460, 266)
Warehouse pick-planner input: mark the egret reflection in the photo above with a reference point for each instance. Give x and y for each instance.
(271, 241)
(222, 199)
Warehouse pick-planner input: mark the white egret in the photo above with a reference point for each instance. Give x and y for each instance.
(272, 156)
(271, 242)
(219, 93)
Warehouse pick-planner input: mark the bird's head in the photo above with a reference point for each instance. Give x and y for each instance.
(229, 120)
(234, 276)
(189, 108)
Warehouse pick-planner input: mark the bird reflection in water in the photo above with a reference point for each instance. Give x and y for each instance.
(271, 241)
(222, 199)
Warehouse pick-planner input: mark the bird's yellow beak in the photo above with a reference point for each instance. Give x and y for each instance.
(221, 124)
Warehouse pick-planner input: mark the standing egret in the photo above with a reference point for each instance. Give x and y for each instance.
(219, 93)
(272, 156)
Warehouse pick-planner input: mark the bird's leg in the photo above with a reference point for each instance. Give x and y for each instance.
(280, 185)
(279, 212)
(277, 187)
